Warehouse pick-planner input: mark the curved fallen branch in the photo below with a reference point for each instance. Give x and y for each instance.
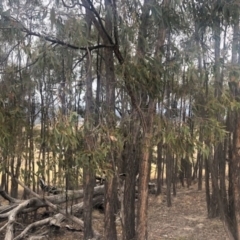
(8, 197)
(55, 199)
(38, 201)
(56, 219)
(40, 223)
(12, 217)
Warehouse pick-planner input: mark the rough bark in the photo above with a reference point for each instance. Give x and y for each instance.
(159, 168)
(214, 165)
(207, 182)
(110, 207)
(235, 158)
(214, 203)
(110, 231)
(234, 146)
(169, 176)
(130, 167)
(144, 168)
(175, 173)
(88, 204)
(235, 175)
(88, 172)
(146, 115)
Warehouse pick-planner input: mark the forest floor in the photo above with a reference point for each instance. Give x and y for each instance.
(185, 220)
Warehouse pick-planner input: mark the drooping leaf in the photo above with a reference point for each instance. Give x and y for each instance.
(52, 17)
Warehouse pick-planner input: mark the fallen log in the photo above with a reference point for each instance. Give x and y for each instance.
(31, 202)
(12, 218)
(58, 218)
(54, 199)
(76, 210)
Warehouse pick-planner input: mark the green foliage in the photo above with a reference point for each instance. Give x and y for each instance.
(43, 77)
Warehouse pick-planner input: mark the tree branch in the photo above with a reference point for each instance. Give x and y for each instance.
(101, 29)
(59, 42)
(49, 204)
(18, 25)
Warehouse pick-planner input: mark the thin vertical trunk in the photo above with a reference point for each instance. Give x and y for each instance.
(235, 169)
(130, 167)
(214, 203)
(147, 116)
(200, 172)
(214, 167)
(223, 157)
(169, 176)
(231, 205)
(88, 174)
(159, 168)
(207, 183)
(222, 177)
(144, 168)
(16, 173)
(234, 154)
(110, 231)
(174, 178)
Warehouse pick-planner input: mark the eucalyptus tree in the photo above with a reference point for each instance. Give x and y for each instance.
(144, 101)
(234, 196)
(147, 58)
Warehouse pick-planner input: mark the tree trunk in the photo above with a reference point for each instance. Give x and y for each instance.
(207, 183)
(14, 184)
(144, 167)
(111, 182)
(214, 206)
(200, 170)
(231, 205)
(130, 167)
(88, 174)
(234, 154)
(159, 168)
(87, 201)
(222, 176)
(174, 178)
(214, 165)
(169, 176)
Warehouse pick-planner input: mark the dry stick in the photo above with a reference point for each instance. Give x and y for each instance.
(8, 197)
(29, 227)
(55, 199)
(12, 217)
(2, 228)
(56, 208)
(55, 220)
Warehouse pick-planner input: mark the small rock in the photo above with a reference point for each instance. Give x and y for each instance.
(200, 225)
(188, 229)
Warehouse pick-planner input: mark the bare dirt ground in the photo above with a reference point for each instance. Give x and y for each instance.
(185, 220)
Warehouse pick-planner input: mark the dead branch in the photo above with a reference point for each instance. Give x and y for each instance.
(58, 218)
(8, 197)
(40, 223)
(12, 214)
(12, 218)
(55, 199)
